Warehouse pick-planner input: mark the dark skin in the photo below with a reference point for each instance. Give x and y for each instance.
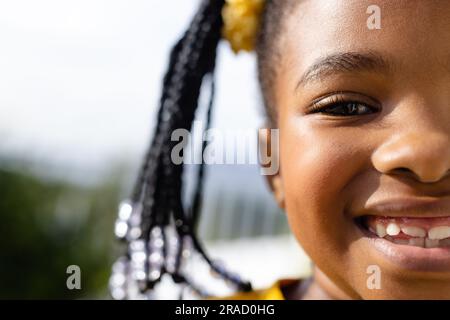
(397, 144)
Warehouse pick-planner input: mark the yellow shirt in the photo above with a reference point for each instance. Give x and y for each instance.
(274, 292)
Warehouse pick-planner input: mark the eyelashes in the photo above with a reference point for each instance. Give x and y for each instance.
(343, 105)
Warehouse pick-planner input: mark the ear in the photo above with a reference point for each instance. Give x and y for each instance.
(269, 155)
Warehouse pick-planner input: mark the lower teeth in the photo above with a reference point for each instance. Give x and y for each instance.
(420, 242)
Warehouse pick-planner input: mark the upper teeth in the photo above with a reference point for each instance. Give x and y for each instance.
(380, 230)
(392, 229)
(414, 231)
(439, 233)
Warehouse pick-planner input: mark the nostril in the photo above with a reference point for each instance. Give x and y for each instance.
(404, 171)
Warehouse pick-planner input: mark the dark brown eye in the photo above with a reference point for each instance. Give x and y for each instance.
(344, 109)
(345, 104)
(349, 108)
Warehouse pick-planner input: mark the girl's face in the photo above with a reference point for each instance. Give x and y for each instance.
(364, 119)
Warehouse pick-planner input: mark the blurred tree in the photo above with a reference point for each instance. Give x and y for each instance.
(48, 225)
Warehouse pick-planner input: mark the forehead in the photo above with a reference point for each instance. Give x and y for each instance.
(412, 31)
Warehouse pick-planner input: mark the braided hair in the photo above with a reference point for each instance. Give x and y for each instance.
(156, 201)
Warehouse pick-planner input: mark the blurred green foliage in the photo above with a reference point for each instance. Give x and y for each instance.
(47, 225)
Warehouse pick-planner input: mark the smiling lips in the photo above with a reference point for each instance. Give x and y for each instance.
(413, 233)
(418, 232)
(419, 222)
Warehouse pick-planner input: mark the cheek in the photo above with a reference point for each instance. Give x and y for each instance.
(318, 165)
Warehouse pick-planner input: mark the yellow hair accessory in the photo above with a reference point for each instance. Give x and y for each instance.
(241, 20)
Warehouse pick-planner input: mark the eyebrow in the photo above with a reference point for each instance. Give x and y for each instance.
(346, 62)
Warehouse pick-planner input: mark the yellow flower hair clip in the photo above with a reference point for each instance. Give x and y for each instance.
(241, 20)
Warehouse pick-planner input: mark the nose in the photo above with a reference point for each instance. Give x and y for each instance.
(422, 155)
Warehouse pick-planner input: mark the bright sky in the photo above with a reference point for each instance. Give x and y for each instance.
(80, 80)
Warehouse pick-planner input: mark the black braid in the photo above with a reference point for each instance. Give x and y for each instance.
(159, 186)
(138, 188)
(177, 111)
